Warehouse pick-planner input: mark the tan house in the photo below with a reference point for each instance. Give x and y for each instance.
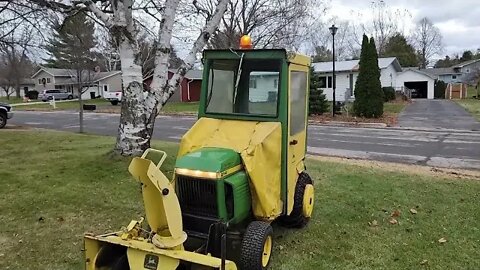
(95, 83)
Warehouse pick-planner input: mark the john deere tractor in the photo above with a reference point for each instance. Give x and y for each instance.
(239, 168)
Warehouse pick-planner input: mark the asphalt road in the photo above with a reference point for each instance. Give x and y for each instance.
(441, 148)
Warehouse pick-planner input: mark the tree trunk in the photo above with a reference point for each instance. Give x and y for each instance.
(133, 135)
(17, 89)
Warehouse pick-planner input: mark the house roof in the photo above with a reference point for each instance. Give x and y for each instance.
(194, 74)
(352, 65)
(466, 63)
(440, 71)
(104, 75)
(62, 72)
(56, 72)
(417, 70)
(87, 76)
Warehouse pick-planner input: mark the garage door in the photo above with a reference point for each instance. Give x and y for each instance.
(418, 89)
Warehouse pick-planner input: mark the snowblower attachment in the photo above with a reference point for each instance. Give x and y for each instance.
(161, 248)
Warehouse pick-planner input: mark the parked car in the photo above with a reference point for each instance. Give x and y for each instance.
(113, 97)
(57, 93)
(5, 113)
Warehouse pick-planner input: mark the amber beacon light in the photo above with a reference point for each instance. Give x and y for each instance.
(246, 42)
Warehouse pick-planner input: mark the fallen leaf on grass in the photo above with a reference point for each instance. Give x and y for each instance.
(374, 223)
(395, 213)
(424, 262)
(442, 240)
(413, 211)
(393, 221)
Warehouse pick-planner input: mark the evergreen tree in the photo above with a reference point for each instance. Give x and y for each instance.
(318, 103)
(71, 47)
(72, 43)
(397, 46)
(368, 90)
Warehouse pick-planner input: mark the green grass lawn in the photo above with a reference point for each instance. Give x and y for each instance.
(105, 106)
(55, 186)
(470, 104)
(67, 105)
(180, 107)
(12, 100)
(394, 107)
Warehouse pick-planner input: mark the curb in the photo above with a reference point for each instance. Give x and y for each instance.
(348, 124)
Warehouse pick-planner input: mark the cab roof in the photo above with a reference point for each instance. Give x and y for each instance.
(291, 57)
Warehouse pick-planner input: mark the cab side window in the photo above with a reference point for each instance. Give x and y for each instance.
(298, 96)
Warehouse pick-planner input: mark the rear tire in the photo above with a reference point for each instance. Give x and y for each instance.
(3, 119)
(70, 97)
(114, 102)
(297, 219)
(257, 246)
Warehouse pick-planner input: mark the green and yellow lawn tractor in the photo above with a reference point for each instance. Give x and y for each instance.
(239, 168)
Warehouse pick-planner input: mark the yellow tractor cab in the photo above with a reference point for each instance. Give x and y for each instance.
(239, 168)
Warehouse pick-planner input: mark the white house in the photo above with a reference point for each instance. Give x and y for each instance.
(66, 79)
(263, 86)
(391, 75)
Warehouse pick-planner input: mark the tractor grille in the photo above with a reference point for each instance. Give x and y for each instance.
(197, 196)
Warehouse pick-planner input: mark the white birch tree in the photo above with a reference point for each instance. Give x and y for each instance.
(140, 106)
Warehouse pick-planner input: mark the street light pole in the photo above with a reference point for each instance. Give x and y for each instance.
(333, 31)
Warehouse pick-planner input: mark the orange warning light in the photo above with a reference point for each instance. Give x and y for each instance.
(246, 42)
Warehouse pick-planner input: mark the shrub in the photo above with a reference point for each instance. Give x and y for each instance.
(32, 94)
(388, 93)
(439, 89)
(318, 104)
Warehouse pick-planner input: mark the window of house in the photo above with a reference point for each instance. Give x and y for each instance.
(39, 81)
(275, 83)
(48, 80)
(322, 82)
(325, 82)
(454, 77)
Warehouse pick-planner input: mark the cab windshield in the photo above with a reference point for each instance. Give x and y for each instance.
(256, 92)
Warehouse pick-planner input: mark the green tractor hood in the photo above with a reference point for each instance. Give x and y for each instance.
(210, 159)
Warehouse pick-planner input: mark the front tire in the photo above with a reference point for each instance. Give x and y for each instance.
(257, 246)
(3, 120)
(70, 97)
(114, 102)
(302, 205)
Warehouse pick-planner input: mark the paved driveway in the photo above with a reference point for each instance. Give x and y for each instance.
(447, 114)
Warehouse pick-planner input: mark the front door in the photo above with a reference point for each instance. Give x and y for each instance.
(298, 94)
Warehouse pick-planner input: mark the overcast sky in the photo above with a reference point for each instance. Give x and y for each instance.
(458, 21)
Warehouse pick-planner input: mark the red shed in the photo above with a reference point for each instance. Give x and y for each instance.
(189, 87)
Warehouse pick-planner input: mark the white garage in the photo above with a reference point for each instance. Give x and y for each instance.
(421, 84)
